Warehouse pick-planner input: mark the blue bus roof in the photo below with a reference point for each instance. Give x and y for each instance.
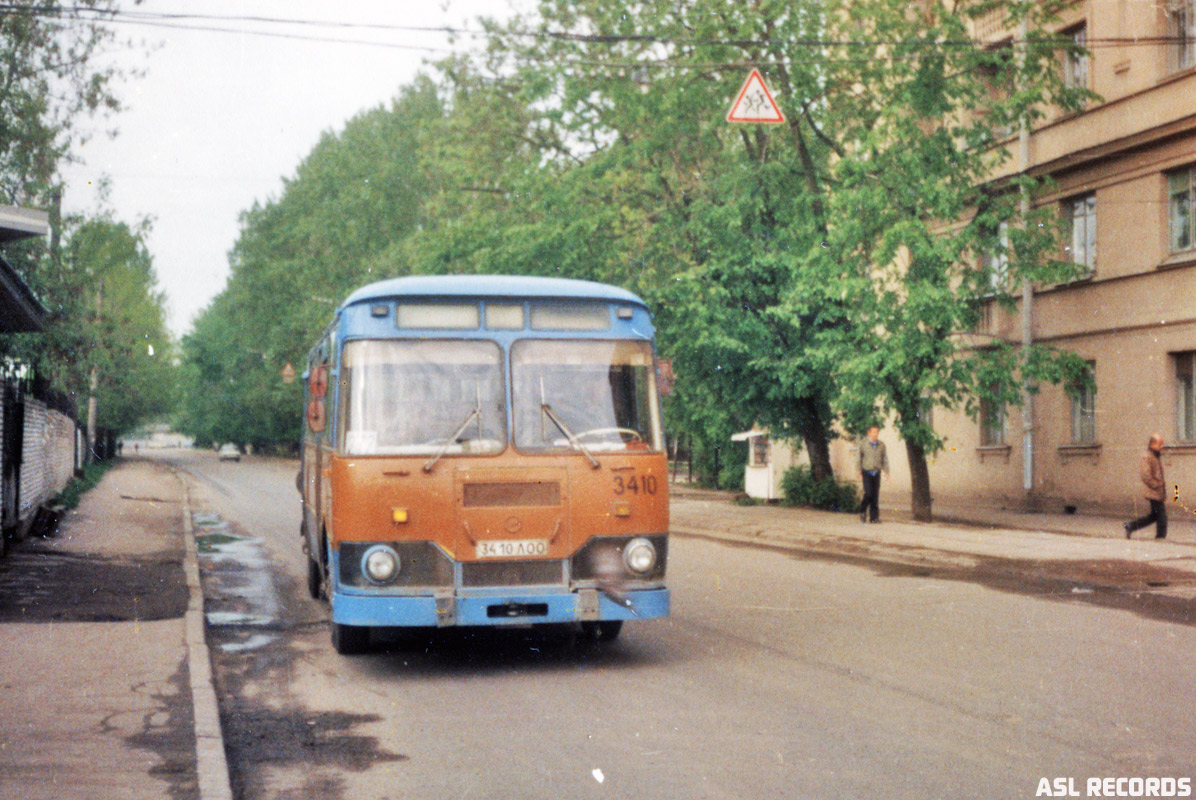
(483, 286)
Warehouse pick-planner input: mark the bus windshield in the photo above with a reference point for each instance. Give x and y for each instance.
(596, 396)
(423, 397)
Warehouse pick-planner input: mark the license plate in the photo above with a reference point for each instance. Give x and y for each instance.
(512, 548)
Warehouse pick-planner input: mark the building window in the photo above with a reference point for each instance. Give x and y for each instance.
(984, 317)
(996, 71)
(760, 451)
(1080, 221)
(1181, 192)
(1181, 31)
(996, 261)
(992, 423)
(1083, 409)
(1185, 397)
(1075, 64)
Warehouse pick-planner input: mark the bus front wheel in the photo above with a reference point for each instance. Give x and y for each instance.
(349, 640)
(604, 631)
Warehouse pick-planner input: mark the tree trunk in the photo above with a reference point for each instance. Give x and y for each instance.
(919, 480)
(819, 450)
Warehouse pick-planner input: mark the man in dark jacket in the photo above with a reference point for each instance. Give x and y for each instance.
(1150, 470)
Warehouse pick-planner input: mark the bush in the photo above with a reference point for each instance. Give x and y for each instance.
(800, 489)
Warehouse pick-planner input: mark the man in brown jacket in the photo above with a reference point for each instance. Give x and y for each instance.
(1150, 470)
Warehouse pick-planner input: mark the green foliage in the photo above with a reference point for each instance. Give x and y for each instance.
(69, 497)
(924, 238)
(828, 267)
(338, 224)
(106, 315)
(53, 80)
(800, 488)
(646, 186)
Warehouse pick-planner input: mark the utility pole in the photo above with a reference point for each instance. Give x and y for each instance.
(56, 229)
(94, 382)
(1023, 141)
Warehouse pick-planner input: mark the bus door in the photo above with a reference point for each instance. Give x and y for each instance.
(315, 484)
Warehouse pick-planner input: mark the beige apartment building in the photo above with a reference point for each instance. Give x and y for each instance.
(1124, 173)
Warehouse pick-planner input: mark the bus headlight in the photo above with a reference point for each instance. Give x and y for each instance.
(380, 564)
(639, 556)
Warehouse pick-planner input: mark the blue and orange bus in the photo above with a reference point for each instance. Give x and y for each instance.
(485, 451)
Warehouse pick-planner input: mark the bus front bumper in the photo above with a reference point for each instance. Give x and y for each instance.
(448, 609)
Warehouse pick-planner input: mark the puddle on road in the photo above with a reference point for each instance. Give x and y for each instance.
(213, 542)
(254, 642)
(271, 738)
(239, 595)
(235, 618)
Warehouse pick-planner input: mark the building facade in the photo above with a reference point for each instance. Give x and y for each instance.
(1123, 176)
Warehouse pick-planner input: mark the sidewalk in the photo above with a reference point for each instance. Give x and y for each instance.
(960, 537)
(105, 684)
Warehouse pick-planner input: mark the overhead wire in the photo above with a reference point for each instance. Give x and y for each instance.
(207, 23)
(166, 19)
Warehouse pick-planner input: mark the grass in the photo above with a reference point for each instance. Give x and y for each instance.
(69, 497)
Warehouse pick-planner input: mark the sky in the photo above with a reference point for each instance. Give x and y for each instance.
(221, 117)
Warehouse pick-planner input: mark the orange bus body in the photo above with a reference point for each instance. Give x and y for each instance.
(534, 530)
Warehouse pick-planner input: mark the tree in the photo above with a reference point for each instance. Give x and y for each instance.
(626, 172)
(106, 318)
(51, 82)
(919, 137)
(337, 225)
(828, 264)
(833, 258)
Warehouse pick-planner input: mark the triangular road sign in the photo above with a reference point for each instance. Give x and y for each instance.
(754, 103)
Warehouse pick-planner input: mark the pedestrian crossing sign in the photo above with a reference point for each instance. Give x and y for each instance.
(754, 103)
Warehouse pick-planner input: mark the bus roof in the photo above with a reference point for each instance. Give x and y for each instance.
(505, 286)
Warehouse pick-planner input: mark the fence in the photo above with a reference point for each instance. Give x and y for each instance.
(41, 447)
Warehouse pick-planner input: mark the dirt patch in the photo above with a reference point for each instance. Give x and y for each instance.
(260, 736)
(170, 734)
(1146, 589)
(1124, 585)
(38, 585)
(269, 737)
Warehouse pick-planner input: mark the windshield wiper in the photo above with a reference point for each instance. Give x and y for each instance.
(475, 414)
(547, 411)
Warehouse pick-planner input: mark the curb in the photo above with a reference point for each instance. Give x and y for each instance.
(211, 766)
(853, 550)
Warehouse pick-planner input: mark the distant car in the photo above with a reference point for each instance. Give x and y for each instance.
(229, 452)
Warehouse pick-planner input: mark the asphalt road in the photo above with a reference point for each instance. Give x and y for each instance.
(775, 676)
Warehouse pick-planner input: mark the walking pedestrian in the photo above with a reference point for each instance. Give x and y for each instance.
(873, 460)
(1150, 470)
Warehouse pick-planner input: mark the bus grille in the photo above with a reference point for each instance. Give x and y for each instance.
(512, 573)
(512, 493)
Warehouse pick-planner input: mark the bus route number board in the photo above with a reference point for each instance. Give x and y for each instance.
(512, 548)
